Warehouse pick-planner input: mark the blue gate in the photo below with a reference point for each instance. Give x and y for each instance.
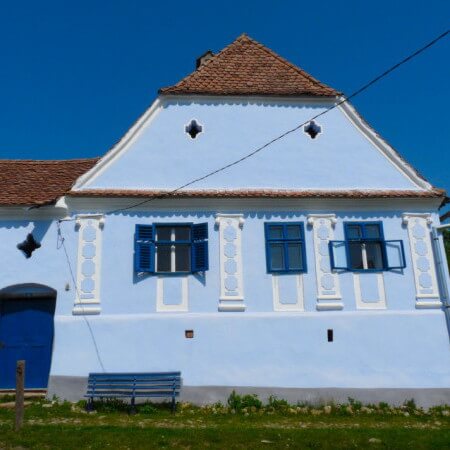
(26, 332)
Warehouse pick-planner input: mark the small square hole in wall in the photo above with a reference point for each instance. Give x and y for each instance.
(189, 334)
(330, 335)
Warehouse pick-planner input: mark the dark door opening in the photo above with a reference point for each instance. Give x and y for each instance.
(26, 332)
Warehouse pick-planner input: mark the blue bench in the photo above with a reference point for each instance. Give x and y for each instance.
(133, 385)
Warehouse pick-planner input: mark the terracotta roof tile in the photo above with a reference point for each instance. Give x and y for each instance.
(39, 182)
(259, 193)
(247, 67)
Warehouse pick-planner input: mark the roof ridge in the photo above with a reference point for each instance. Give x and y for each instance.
(285, 61)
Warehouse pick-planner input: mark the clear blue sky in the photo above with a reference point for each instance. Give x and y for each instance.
(75, 75)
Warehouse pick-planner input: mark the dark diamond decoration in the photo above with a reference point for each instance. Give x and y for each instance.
(28, 246)
(312, 129)
(193, 129)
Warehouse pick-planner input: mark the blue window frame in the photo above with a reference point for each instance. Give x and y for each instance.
(285, 247)
(171, 248)
(366, 250)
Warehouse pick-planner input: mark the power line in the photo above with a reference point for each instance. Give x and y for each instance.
(281, 136)
(61, 243)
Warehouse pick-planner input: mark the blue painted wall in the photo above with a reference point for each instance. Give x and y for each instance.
(398, 347)
(164, 156)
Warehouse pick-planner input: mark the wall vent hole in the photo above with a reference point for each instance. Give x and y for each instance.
(330, 335)
(189, 334)
(193, 129)
(312, 129)
(28, 246)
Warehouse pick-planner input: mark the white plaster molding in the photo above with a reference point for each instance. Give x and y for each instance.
(362, 303)
(121, 147)
(105, 204)
(406, 217)
(278, 305)
(232, 307)
(86, 310)
(313, 217)
(250, 99)
(329, 306)
(87, 290)
(423, 263)
(61, 203)
(327, 281)
(383, 147)
(163, 307)
(230, 245)
(428, 305)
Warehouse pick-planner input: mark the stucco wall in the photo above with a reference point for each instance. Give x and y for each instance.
(400, 346)
(162, 155)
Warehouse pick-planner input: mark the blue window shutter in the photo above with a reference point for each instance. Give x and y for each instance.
(338, 255)
(144, 249)
(145, 257)
(395, 255)
(200, 260)
(144, 233)
(199, 231)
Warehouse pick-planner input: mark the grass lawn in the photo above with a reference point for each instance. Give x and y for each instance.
(67, 426)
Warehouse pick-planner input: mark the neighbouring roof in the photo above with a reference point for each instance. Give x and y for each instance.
(247, 67)
(39, 182)
(258, 193)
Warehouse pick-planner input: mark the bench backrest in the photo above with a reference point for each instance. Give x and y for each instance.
(156, 382)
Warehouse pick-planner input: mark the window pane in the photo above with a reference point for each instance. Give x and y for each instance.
(295, 261)
(355, 250)
(163, 233)
(354, 232)
(276, 256)
(372, 231)
(275, 232)
(374, 255)
(182, 233)
(182, 258)
(293, 232)
(163, 258)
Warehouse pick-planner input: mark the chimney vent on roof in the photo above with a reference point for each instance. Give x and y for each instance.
(203, 58)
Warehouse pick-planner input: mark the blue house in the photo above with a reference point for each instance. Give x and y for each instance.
(313, 270)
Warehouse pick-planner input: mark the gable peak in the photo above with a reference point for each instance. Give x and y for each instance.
(247, 67)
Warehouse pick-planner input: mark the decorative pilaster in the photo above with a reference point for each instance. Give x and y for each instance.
(87, 299)
(328, 289)
(427, 291)
(231, 279)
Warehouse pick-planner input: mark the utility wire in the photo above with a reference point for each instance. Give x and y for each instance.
(61, 243)
(281, 136)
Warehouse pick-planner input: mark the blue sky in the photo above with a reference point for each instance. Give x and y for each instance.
(76, 75)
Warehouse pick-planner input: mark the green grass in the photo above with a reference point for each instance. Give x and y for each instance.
(65, 426)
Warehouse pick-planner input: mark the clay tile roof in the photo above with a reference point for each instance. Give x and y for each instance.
(259, 193)
(247, 67)
(39, 182)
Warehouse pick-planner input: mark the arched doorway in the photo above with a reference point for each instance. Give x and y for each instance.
(26, 332)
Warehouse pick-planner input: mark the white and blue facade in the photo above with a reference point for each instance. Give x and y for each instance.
(320, 296)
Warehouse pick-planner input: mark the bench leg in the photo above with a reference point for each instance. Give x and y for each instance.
(90, 404)
(133, 406)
